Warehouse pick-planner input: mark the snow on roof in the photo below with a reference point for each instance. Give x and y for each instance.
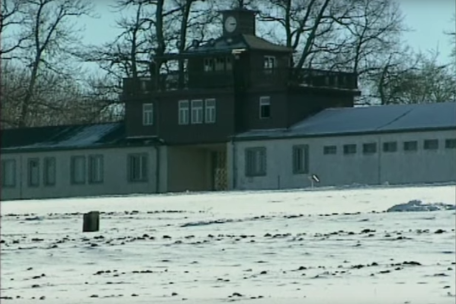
(78, 136)
(372, 119)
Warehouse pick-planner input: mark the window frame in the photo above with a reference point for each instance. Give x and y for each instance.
(143, 168)
(367, 151)
(30, 182)
(259, 157)
(327, 150)
(430, 144)
(389, 144)
(300, 159)
(6, 163)
(208, 64)
(197, 109)
(347, 151)
(450, 143)
(269, 63)
(219, 64)
(183, 112)
(228, 64)
(265, 101)
(144, 85)
(73, 168)
(410, 146)
(148, 114)
(49, 170)
(92, 167)
(210, 111)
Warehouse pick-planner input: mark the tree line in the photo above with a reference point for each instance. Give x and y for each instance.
(44, 81)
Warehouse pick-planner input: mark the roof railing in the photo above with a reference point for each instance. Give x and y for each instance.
(217, 79)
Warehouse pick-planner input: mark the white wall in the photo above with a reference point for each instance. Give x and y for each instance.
(423, 166)
(115, 174)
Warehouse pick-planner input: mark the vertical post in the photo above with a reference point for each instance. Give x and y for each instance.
(91, 222)
(313, 179)
(21, 178)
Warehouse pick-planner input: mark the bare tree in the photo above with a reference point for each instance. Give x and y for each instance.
(11, 18)
(394, 67)
(373, 28)
(353, 36)
(47, 37)
(301, 23)
(335, 35)
(56, 100)
(129, 53)
(359, 36)
(452, 36)
(155, 28)
(415, 78)
(194, 16)
(405, 77)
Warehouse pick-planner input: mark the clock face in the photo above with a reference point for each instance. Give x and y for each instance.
(230, 24)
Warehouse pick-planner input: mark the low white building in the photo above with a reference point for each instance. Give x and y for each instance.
(84, 160)
(395, 144)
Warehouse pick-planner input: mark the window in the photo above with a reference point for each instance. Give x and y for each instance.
(390, 146)
(255, 162)
(144, 85)
(329, 150)
(8, 173)
(78, 170)
(350, 149)
(431, 144)
(269, 64)
(209, 116)
(301, 159)
(410, 145)
(148, 114)
(33, 172)
(265, 107)
(197, 111)
(450, 143)
(220, 64)
(137, 167)
(229, 64)
(369, 148)
(208, 65)
(184, 112)
(96, 169)
(49, 171)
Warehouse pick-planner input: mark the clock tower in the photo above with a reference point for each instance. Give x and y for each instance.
(238, 21)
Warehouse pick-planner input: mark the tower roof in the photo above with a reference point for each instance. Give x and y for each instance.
(249, 42)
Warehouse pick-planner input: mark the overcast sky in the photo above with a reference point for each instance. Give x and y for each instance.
(428, 19)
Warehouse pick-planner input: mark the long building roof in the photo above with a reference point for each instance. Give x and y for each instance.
(364, 120)
(329, 122)
(68, 137)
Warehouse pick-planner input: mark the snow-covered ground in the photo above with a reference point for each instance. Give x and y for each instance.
(323, 246)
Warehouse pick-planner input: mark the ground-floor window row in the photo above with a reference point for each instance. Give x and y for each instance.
(256, 157)
(83, 169)
(256, 160)
(391, 146)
